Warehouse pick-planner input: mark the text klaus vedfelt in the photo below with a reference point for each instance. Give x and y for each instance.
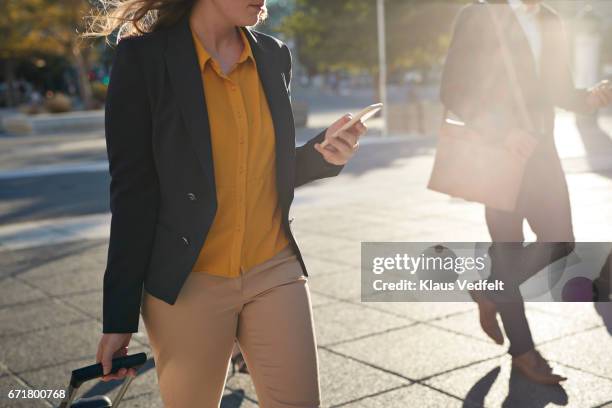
(410, 264)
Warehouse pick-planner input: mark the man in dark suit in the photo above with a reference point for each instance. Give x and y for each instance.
(476, 86)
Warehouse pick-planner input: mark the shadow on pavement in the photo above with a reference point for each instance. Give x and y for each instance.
(478, 392)
(604, 309)
(522, 393)
(383, 155)
(16, 262)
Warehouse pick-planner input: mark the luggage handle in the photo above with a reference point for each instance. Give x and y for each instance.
(81, 375)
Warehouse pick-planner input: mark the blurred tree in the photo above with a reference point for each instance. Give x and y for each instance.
(50, 27)
(332, 35)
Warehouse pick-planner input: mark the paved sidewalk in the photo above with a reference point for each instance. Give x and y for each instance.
(371, 354)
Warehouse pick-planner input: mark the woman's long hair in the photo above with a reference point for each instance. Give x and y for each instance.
(135, 17)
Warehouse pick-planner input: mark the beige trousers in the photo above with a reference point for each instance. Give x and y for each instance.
(267, 309)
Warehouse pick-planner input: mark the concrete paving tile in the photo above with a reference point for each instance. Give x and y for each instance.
(589, 351)
(50, 346)
(342, 321)
(318, 300)
(544, 326)
(241, 386)
(411, 395)
(338, 380)
(38, 315)
(60, 257)
(424, 311)
(150, 400)
(494, 384)
(89, 303)
(8, 383)
(14, 291)
(343, 380)
(418, 351)
(319, 245)
(572, 311)
(57, 377)
(76, 279)
(346, 286)
(324, 264)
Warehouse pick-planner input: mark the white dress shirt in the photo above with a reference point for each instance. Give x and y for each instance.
(528, 18)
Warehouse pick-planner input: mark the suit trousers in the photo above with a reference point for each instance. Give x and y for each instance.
(544, 203)
(267, 309)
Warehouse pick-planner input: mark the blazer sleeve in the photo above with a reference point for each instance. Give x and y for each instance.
(309, 164)
(461, 84)
(564, 92)
(134, 191)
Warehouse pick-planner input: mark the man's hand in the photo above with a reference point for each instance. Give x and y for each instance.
(340, 148)
(600, 95)
(113, 345)
(520, 142)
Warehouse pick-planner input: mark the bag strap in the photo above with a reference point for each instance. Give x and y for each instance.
(517, 91)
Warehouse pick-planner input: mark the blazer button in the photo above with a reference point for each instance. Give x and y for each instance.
(185, 241)
(191, 197)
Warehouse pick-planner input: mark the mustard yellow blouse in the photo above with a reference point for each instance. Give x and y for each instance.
(247, 227)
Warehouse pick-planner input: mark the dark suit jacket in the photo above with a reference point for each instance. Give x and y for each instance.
(476, 86)
(162, 190)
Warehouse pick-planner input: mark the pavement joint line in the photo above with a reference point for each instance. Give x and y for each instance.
(23, 381)
(420, 381)
(433, 319)
(572, 334)
(375, 394)
(372, 334)
(41, 329)
(391, 372)
(42, 299)
(473, 363)
(59, 299)
(535, 305)
(606, 404)
(581, 370)
(446, 329)
(363, 304)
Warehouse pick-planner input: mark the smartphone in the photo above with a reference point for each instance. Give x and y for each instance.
(365, 114)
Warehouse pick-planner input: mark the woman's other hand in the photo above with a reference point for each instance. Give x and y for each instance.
(521, 142)
(600, 95)
(339, 149)
(113, 345)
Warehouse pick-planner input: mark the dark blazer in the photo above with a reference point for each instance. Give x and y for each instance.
(475, 84)
(162, 190)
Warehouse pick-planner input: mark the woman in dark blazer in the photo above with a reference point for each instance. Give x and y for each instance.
(203, 163)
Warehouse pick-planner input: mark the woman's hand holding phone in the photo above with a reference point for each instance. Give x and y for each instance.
(340, 145)
(342, 137)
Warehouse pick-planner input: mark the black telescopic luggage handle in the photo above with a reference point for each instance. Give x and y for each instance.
(81, 375)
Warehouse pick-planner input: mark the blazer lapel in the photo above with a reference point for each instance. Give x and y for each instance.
(526, 64)
(271, 76)
(186, 79)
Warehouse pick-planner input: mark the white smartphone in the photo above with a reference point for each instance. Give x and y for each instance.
(365, 114)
